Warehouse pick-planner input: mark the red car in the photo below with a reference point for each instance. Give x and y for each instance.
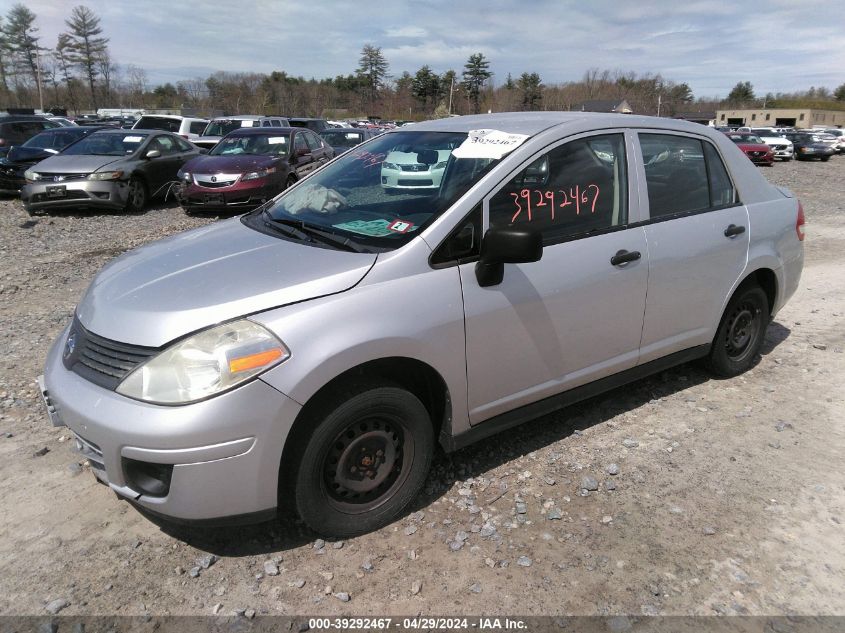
(248, 167)
(754, 148)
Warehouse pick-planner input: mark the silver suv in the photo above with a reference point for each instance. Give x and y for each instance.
(313, 353)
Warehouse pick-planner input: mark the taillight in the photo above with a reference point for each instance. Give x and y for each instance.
(799, 223)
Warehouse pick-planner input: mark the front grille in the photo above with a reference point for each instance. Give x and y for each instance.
(779, 147)
(407, 182)
(215, 185)
(102, 361)
(60, 177)
(417, 167)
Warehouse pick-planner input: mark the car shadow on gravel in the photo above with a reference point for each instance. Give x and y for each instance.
(288, 532)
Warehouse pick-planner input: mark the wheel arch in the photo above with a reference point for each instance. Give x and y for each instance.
(416, 376)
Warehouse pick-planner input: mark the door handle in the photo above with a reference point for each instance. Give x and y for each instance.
(733, 230)
(623, 257)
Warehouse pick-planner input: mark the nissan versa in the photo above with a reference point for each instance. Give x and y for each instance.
(315, 351)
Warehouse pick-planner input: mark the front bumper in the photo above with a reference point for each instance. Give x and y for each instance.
(104, 194)
(245, 197)
(225, 452)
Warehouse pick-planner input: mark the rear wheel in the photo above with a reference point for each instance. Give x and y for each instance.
(365, 461)
(741, 332)
(136, 195)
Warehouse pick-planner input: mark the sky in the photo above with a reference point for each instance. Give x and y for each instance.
(777, 45)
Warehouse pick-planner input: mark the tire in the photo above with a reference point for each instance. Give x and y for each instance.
(339, 490)
(825, 159)
(741, 332)
(136, 195)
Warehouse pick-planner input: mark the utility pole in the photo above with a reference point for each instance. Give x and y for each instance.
(659, 101)
(451, 90)
(38, 77)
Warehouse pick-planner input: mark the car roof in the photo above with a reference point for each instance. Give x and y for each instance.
(255, 131)
(532, 123)
(120, 130)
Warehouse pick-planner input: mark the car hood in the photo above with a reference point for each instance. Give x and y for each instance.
(776, 140)
(753, 147)
(82, 163)
(28, 154)
(228, 164)
(166, 289)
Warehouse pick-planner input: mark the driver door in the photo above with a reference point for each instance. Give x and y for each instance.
(572, 317)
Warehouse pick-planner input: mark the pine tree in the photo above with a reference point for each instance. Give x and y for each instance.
(475, 74)
(372, 69)
(86, 49)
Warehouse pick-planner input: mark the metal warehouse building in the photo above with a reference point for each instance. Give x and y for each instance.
(782, 117)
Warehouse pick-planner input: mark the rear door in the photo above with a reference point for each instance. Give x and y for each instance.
(574, 316)
(302, 159)
(698, 238)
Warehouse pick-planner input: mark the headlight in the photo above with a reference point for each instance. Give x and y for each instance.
(106, 175)
(261, 173)
(389, 166)
(31, 176)
(184, 176)
(205, 364)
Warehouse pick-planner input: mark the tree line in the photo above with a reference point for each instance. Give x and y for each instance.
(79, 74)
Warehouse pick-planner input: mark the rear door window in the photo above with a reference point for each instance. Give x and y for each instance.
(197, 127)
(158, 123)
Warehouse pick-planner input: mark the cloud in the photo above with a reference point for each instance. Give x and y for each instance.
(406, 31)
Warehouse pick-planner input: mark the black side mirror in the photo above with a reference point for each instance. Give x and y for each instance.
(506, 245)
(427, 157)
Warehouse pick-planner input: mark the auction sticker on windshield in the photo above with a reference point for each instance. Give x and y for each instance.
(488, 144)
(276, 140)
(374, 228)
(133, 139)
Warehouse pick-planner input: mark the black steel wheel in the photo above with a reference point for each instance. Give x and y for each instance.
(741, 332)
(365, 461)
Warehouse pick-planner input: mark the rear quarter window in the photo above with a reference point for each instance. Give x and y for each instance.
(684, 175)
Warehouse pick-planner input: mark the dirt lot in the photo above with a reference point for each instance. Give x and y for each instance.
(729, 497)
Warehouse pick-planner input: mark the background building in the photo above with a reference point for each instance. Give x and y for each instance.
(782, 117)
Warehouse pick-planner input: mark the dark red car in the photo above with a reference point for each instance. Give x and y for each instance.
(754, 148)
(248, 167)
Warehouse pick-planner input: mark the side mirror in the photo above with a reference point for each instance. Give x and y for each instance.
(153, 153)
(203, 150)
(506, 245)
(427, 157)
(301, 152)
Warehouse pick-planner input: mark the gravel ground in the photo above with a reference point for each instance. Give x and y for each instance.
(677, 495)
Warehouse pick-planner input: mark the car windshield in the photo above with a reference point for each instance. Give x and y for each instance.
(255, 144)
(342, 138)
(108, 144)
(222, 128)
(383, 193)
(746, 138)
(54, 139)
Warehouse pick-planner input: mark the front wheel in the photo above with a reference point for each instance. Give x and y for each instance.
(741, 332)
(136, 195)
(825, 159)
(365, 461)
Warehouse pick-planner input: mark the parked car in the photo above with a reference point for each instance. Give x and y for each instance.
(415, 168)
(753, 147)
(109, 169)
(15, 129)
(316, 125)
(342, 139)
(221, 126)
(186, 127)
(840, 139)
(781, 146)
(43, 145)
(250, 166)
(312, 353)
(809, 147)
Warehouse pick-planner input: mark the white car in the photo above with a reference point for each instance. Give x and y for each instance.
(187, 127)
(840, 139)
(414, 170)
(782, 147)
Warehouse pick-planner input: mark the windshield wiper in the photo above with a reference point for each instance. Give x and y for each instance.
(306, 230)
(285, 228)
